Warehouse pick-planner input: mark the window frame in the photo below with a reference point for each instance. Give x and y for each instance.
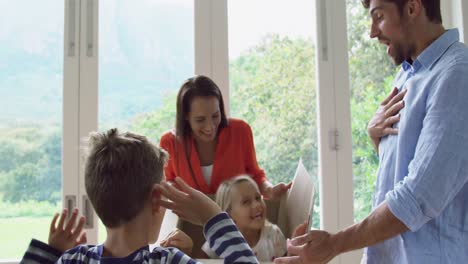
(80, 95)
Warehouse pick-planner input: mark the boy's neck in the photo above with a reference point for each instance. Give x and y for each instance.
(126, 239)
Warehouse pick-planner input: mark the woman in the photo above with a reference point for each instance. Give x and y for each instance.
(206, 148)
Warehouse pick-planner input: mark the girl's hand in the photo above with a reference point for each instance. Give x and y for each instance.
(275, 192)
(180, 240)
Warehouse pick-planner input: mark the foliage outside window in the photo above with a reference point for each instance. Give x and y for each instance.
(371, 74)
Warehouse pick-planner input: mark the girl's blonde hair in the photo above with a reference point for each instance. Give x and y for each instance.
(223, 194)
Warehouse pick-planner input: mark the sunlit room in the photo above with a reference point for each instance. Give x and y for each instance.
(347, 123)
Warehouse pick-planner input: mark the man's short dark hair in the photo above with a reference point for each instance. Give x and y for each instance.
(120, 172)
(432, 8)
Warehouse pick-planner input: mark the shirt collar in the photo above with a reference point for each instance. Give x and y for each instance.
(433, 52)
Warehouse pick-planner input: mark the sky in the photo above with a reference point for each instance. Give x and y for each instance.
(135, 34)
(249, 20)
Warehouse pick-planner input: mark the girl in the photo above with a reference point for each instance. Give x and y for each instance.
(240, 197)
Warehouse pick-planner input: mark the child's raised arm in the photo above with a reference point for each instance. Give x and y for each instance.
(188, 203)
(65, 236)
(62, 236)
(220, 231)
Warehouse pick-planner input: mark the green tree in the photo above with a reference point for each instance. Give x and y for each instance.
(31, 164)
(371, 73)
(154, 124)
(50, 173)
(273, 89)
(21, 184)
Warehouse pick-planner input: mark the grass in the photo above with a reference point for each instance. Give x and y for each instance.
(17, 233)
(20, 222)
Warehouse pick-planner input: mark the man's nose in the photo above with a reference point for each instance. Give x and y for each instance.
(374, 31)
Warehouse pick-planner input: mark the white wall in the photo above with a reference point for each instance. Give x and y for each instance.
(452, 16)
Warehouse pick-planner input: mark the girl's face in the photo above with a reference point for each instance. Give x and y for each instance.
(204, 118)
(248, 209)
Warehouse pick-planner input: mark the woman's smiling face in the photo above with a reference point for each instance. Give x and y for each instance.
(204, 118)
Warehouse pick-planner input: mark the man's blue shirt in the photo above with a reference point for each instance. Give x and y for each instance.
(423, 172)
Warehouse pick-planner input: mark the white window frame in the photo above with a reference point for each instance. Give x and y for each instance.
(80, 95)
(452, 16)
(211, 44)
(334, 119)
(80, 104)
(335, 167)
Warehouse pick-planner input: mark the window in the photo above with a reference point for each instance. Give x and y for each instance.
(31, 79)
(371, 77)
(272, 83)
(276, 69)
(146, 51)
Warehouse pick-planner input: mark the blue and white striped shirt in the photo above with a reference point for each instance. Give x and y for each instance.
(223, 235)
(423, 172)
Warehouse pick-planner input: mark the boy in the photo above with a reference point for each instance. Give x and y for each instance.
(122, 177)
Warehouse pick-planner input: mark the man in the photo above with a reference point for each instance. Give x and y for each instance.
(420, 207)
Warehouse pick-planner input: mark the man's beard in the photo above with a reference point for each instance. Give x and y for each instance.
(400, 54)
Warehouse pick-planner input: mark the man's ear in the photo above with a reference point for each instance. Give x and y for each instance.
(155, 199)
(414, 8)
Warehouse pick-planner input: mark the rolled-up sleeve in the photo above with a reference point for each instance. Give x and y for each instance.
(438, 170)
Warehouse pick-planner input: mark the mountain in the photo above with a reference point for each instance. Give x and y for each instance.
(145, 51)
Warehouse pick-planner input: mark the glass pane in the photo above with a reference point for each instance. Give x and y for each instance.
(146, 51)
(31, 77)
(272, 83)
(371, 76)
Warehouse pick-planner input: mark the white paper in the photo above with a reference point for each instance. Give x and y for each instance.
(300, 201)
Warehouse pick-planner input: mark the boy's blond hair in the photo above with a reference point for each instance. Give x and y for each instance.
(223, 194)
(120, 172)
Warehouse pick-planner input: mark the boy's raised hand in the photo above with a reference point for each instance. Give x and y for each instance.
(180, 240)
(188, 203)
(66, 236)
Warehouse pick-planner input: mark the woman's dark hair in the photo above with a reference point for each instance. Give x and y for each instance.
(432, 8)
(197, 86)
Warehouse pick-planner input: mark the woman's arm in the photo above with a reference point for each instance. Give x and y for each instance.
(167, 142)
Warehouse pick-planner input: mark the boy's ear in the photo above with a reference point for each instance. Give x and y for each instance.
(155, 199)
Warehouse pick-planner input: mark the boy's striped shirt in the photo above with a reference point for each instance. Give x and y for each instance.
(220, 231)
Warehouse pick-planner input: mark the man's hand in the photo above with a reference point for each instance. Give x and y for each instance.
(180, 240)
(387, 114)
(63, 237)
(300, 230)
(314, 247)
(188, 203)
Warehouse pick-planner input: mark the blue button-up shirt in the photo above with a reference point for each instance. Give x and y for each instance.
(423, 173)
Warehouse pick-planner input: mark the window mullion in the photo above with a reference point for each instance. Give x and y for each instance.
(336, 179)
(88, 102)
(211, 43)
(70, 155)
